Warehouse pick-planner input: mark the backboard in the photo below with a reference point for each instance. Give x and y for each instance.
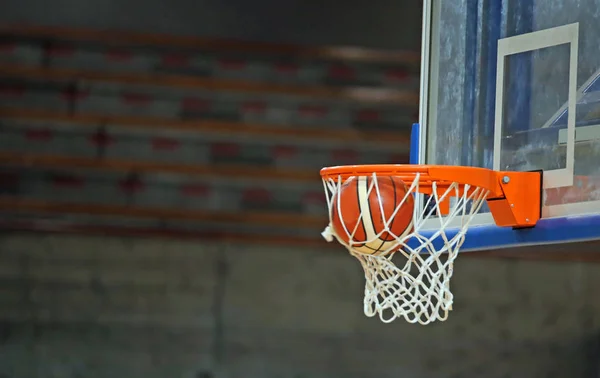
(515, 85)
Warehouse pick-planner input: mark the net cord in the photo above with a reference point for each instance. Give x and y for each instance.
(416, 286)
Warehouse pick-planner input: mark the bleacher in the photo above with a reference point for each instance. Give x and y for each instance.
(119, 132)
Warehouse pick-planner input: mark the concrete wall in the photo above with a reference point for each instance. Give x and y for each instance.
(74, 306)
(378, 23)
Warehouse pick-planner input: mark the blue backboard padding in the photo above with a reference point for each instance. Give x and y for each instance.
(415, 134)
(547, 231)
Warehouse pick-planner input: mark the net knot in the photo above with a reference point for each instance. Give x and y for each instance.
(328, 234)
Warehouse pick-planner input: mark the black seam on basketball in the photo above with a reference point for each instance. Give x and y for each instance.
(383, 241)
(362, 220)
(369, 247)
(395, 206)
(371, 213)
(336, 211)
(364, 244)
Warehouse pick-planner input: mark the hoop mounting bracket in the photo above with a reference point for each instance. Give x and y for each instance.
(520, 203)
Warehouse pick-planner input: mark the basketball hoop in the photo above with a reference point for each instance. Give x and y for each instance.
(418, 288)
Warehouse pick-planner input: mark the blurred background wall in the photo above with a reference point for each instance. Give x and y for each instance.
(382, 23)
(107, 307)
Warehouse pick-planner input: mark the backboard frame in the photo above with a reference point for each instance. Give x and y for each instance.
(567, 34)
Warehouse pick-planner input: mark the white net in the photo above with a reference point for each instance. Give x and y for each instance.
(417, 286)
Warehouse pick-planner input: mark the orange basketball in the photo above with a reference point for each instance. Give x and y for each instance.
(368, 233)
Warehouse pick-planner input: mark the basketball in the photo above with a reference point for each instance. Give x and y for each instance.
(368, 233)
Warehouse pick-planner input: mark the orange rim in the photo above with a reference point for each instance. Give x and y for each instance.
(514, 197)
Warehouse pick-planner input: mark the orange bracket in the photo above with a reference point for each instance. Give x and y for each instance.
(519, 204)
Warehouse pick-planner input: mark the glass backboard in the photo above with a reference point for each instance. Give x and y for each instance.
(515, 85)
